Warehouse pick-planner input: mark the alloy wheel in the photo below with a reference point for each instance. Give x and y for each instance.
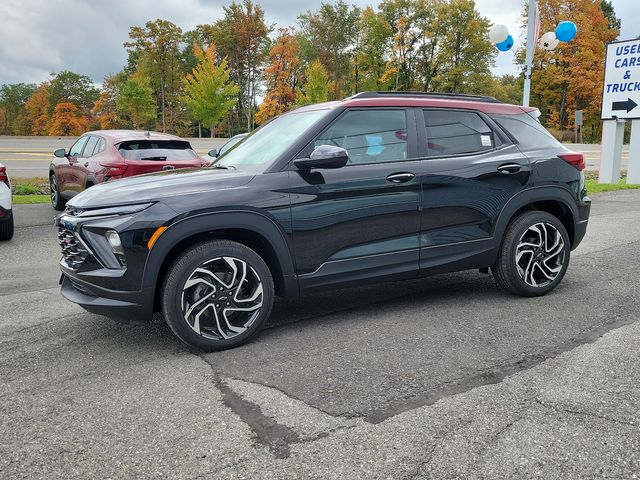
(222, 298)
(540, 254)
(53, 186)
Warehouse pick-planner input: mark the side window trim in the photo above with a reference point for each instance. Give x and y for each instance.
(500, 139)
(412, 142)
(87, 154)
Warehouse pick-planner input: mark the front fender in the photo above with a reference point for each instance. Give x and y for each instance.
(237, 219)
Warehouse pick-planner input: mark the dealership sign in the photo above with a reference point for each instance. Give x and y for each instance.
(621, 89)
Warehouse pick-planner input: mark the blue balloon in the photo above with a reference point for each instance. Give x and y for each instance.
(566, 31)
(506, 45)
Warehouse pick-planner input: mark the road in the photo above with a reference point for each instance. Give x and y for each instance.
(438, 378)
(29, 157)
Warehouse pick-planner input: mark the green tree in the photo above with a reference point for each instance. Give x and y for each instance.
(155, 48)
(317, 87)
(507, 88)
(71, 87)
(328, 35)
(607, 8)
(465, 54)
(135, 102)
(209, 92)
(374, 51)
(13, 98)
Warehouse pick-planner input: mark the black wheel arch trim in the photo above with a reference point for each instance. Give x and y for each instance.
(248, 220)
(543, 193)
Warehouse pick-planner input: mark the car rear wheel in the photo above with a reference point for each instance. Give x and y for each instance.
(216, 295)
(6, 228)
(56, 200)
(534, 255)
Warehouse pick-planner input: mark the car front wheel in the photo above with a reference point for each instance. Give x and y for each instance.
(534, 255)
(217, 295)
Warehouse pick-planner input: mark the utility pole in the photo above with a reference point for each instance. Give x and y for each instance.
(530, 49)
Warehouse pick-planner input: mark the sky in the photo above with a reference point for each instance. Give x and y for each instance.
(38, 37)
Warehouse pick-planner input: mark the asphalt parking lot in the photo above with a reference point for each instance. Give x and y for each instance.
(438, 378)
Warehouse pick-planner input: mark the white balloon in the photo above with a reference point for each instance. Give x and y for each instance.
(498, 33)
(548, 41)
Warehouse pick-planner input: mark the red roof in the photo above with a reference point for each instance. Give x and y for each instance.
(415, 101)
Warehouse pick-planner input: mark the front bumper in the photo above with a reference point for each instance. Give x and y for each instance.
(126, 307)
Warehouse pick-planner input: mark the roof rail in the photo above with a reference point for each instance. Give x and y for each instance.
(452, 96)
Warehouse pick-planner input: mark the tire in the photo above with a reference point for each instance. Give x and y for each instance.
(6, 228)
(56, 200)
(238, 287)
(534, 255)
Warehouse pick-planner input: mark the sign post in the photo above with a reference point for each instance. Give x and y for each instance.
(620, 101)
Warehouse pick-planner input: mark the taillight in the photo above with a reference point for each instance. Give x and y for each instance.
(4, 178)
(574, 159)
(114, 169)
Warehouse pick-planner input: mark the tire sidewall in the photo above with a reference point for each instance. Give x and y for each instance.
(185, 264)
(516, 230)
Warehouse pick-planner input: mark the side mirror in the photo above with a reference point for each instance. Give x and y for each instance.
(213, 152)
(324, 156)
(60, 153)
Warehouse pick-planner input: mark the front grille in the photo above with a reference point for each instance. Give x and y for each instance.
(73, 252)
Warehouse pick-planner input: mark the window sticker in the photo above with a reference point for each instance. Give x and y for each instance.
(486, 140)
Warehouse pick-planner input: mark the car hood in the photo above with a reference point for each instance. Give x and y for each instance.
(156, 186)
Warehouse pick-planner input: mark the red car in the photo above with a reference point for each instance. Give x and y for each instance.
(107, 155)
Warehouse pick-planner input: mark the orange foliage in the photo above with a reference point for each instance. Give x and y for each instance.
(282, 76)
(36, 110)
(67, 121)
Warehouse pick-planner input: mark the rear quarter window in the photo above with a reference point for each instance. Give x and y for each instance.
(529, 132)
(453, 132)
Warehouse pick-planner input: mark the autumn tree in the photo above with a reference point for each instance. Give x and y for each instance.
(135, 102)
(105, 108)
(67, 120)
(282, 77)
(242, 37)
(37, 110)
(328, 35)
(317, 87)
(570, 77)
(155, 48)
(209, 92)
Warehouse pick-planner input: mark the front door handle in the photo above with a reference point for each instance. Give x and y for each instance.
(401, 177)
(510, 168)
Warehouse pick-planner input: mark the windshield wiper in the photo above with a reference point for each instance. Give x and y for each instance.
(154, 158)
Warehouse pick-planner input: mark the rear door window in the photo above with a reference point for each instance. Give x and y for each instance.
(90, 146)
(369, 136)
(157, 150)
(454, 132)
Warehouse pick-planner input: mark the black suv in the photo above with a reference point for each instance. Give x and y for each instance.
(380, 186)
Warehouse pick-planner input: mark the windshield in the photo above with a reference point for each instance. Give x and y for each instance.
(267, 143)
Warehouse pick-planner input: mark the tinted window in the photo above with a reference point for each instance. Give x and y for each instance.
(369, 136)
(454, 133)
(90, 146)
(77, 147)
(158, 150)
(527, 131)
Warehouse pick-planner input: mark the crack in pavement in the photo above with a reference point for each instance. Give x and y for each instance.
(583, 413)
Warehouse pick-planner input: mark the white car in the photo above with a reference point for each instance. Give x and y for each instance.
(6, 215)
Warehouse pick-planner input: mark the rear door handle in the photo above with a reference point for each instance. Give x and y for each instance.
(510, 168)
(401, 177)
